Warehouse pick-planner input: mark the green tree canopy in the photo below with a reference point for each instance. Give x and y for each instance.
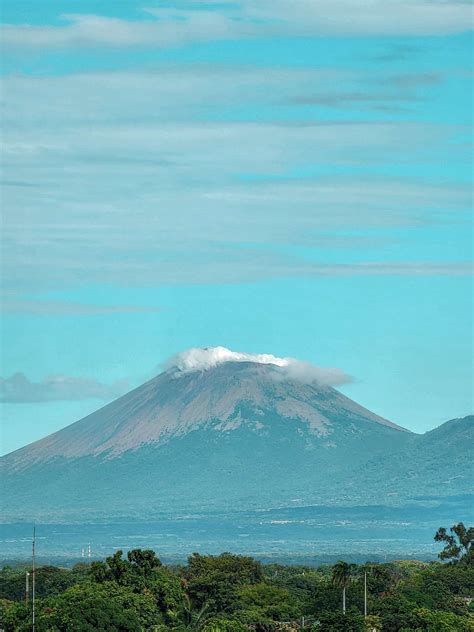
(457, 543)
(214, 580)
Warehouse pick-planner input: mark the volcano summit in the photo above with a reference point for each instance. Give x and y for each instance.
(219, 430)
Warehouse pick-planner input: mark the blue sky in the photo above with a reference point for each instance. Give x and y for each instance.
(286, 177)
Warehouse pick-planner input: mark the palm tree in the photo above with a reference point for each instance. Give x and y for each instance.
(193, 619)
(341, 577)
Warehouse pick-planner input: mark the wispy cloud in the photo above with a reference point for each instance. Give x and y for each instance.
(396, 92)
(363, 17)
(19, 389)
(247, 18)
(18, 305)
(132, 177)
(381, 268)
(170, 28)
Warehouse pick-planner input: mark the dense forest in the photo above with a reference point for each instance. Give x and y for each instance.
(232, 593)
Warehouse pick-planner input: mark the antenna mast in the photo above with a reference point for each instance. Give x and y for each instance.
(365, 594)
(33, 595)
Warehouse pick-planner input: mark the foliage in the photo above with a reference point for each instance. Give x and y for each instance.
(329, 621)
(219, 624)
(373, 623)
(49, 580)
(341, 574)
(442, 621)
(458, 544)
(233, 593)
(263, 602)
(215, 580)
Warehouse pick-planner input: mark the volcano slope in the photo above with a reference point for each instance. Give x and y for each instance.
(237, 436)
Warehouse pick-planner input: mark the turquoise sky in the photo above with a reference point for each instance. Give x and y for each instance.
(287, 177)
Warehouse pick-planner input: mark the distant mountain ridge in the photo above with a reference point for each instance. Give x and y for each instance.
(237, 435)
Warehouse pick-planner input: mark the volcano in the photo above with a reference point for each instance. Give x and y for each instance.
(233, 435)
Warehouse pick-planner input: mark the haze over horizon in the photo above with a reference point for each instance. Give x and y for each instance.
(286, 178)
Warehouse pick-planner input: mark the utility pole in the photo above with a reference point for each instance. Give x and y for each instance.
(33, 595)
(365, 594)
(27, 587)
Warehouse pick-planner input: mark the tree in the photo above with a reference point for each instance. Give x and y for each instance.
(379, 577)
(224, 625)
(168, 591)
(193, 618)
(396, 613)
(243, 569)
(138, 567)
(351, 621)
(458, 544)
(341, 577)
(214, 580)
(373, 622)
(119, 567)
(106, 607)
(143, 560)
(15, 616)
(264, 601)
(441, 621)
